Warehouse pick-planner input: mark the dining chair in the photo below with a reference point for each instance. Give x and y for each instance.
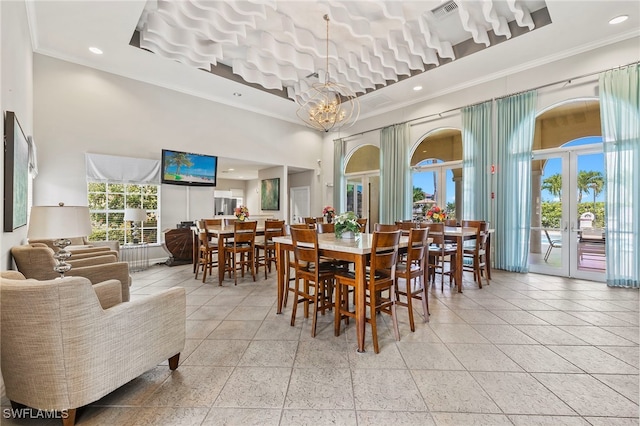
(475, 250)
(405, 227)
(206, 250)
(289, 258)
(272, 228)
(326, 228)
(441, 253)
(363, 224)
(410, 274)
(317, 278)
(385, 227)
(380, 277)
(239, 253)
(309, 220)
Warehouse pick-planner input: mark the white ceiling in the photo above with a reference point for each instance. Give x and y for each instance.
(373, 44)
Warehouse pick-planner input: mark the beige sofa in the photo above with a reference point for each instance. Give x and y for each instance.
(36, 261)
(82, 246)
(61, 349)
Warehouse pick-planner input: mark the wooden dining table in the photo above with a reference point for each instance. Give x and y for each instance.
(459, 235)
(355, 250)
(222, 233)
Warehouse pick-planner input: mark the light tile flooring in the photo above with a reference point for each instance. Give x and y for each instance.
(525, 350)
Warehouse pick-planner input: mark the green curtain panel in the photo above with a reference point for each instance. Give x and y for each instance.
(476, 161)
(515, 118)
(339, 182)
(620, 118)
(395, 175)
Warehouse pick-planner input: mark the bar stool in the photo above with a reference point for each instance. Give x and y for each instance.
(412, 272)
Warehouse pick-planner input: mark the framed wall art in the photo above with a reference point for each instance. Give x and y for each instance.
(16, 174)
(270, 195)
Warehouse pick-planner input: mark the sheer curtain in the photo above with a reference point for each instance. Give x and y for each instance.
(339, 183)
(516, 117)
(476, 150)
(620, 118)
(395, 174)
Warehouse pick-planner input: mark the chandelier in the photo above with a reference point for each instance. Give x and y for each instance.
(328, 106)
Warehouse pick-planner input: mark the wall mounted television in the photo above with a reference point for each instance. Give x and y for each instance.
(186, 168)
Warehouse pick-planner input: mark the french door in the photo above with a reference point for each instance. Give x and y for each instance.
(567, 220)
(363, 197)
(442, 185)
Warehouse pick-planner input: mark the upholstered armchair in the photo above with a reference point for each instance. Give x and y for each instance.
(61, 349)
(36, 261)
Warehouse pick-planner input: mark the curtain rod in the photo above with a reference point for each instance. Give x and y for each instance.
(544, 86)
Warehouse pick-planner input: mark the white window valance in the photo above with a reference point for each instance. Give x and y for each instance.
(110, 168)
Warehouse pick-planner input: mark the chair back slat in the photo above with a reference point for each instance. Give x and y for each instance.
(384, 253)
(244, 232)
(305, 246)
(385, 227)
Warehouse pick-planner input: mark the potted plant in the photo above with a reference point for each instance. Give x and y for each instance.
(346, 225)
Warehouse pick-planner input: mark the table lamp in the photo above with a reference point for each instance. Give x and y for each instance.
(134, 216)
(59, 223)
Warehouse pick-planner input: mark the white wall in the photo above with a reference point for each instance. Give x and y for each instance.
(16, 93)
(80, 110)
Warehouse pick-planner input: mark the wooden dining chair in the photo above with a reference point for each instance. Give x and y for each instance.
(289, 260)
(380, 277)
(442, 255)
(410, 274)
(239, 253)
(326, 228)
(474, 251)
(310, 220)
(266, 248)
(314, 280)
(362, 222)
(206, 251)
(385, 227)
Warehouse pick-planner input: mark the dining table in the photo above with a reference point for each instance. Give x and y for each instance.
(457, 235)
(356, 250)
(222, 233)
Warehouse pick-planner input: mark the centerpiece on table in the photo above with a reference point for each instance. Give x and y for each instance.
(329, 213)
(346, 225)
(242, 213)
(436, 214)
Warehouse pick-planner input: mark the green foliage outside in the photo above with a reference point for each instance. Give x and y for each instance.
(552, 214)
(418, 194)
(107, 202)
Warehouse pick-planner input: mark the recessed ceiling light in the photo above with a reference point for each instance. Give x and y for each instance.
(231, 170)
(619, 19)
(95, 50)
(237, 94)
(417, 88)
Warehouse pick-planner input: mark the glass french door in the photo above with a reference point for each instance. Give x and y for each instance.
(441, 184)
(363, 197)
(567, 220)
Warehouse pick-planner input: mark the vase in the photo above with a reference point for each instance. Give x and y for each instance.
(348, 235)
(329, 218)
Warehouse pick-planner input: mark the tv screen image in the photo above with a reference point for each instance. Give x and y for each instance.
(186, 168)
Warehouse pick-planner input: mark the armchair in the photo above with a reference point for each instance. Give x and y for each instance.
(36, 261)
(67, 351)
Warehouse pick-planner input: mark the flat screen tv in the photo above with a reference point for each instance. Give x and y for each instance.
(186, 168)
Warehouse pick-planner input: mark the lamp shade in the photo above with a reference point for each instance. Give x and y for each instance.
(52, 222)
(135, 215)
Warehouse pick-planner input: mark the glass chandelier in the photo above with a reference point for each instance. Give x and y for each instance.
(328, 106)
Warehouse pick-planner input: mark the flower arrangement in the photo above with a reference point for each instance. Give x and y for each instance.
(346, 222)
(328, 210)
(436, 214)
(242, 212)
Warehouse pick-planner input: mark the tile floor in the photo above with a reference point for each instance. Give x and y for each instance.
(526, 350)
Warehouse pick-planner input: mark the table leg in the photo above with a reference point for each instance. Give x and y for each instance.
(280, 270)
(360, 300)
(221, 259)
(459, 263)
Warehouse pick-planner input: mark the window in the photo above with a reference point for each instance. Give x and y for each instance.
(107, 202)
